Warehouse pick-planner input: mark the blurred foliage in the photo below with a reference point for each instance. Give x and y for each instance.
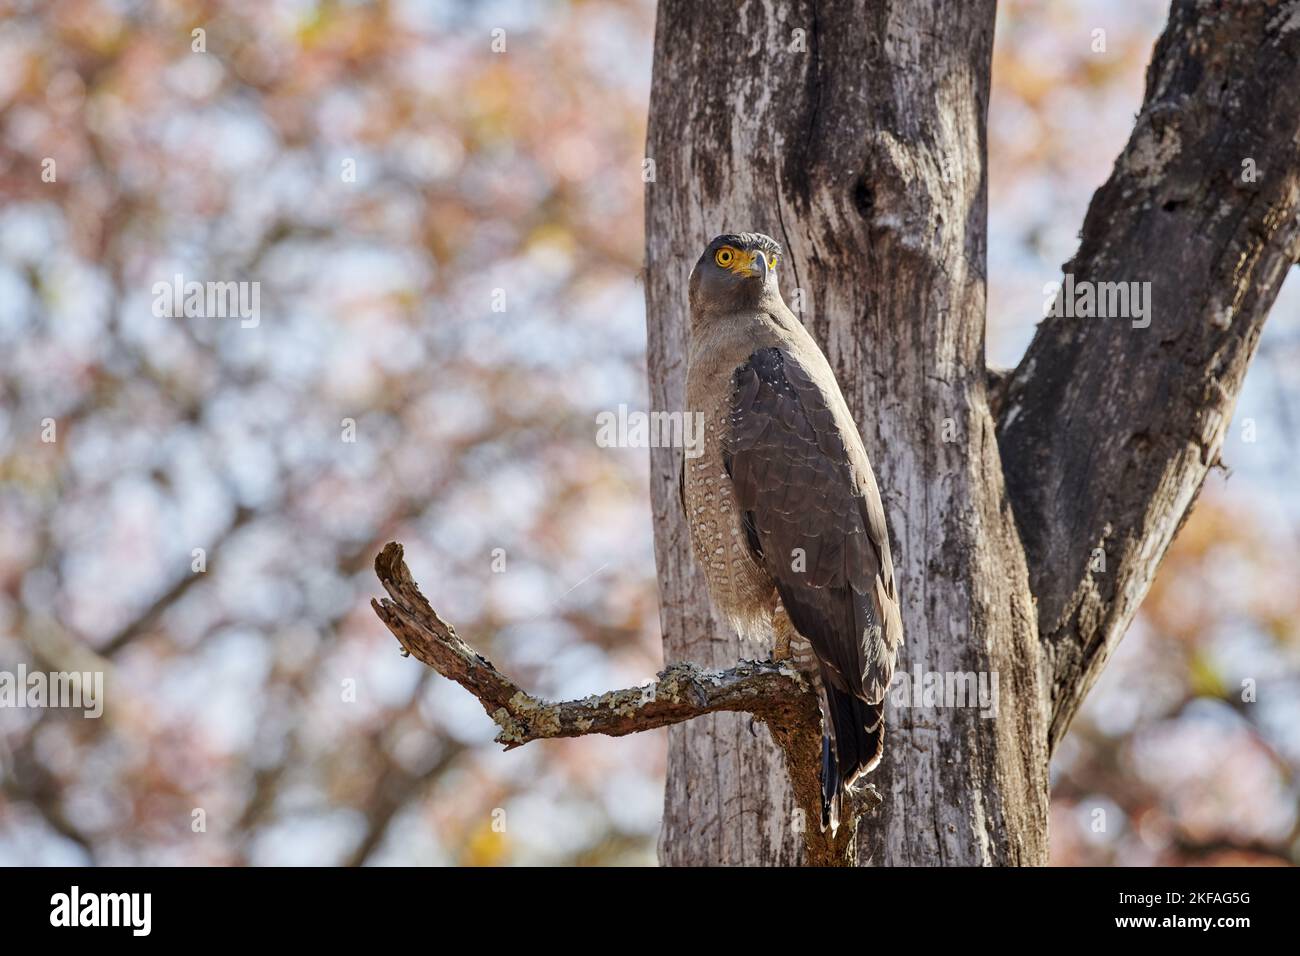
(475, 171)
(263, 690)
(1187, 745)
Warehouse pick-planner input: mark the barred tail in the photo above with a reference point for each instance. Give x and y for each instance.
(858, 731)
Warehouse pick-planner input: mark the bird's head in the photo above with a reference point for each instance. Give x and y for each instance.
(734, 272)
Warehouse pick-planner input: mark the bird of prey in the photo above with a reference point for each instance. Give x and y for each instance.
(784, 513)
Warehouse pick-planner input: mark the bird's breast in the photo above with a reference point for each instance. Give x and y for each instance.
(740, 587)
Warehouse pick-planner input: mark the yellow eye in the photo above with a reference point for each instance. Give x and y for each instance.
(771, 261)
(724, 256)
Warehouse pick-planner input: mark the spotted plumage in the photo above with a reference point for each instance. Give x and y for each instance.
(785, 516)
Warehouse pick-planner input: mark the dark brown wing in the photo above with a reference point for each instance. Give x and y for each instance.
(814, 519)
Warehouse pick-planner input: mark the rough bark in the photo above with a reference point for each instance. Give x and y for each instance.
(859, 143)
(771, 692)
(681, 692)
(854, 132)
(1108, 430)
(864, 156)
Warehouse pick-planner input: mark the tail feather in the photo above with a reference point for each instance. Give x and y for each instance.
(851, 746)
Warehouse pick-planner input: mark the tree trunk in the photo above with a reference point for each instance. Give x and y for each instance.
(854, 133)
(864, 156)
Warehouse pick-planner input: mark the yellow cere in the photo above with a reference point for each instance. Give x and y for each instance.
(739, 260)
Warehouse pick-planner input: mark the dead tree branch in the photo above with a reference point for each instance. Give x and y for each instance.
(773, 692)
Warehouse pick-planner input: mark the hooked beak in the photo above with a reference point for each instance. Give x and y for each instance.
(751, 264)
